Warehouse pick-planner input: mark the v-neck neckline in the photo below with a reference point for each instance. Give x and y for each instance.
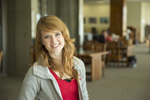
(56, 76)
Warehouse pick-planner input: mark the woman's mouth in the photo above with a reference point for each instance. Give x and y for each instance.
(55, 46)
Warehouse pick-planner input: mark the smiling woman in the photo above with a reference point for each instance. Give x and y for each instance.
(56, 74)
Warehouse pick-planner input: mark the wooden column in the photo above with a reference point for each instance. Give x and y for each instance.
(118, 15)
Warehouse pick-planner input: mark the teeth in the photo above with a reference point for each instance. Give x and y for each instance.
(55, 45)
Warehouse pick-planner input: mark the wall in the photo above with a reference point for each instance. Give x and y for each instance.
(19, 36)
(146, 12)
(145, 18)
(96, 10)
(138, 17)
(134, 15)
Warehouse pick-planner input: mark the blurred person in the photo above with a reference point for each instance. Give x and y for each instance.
(56, 74)
(104, 37)
(107, 37)
(101, 38)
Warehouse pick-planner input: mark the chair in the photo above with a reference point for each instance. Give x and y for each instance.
(114, 52)
(89, 45)
(1, 54)
(123, 41)
(32, 53)
(101, 47)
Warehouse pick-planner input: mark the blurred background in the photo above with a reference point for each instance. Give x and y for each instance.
(128, 20)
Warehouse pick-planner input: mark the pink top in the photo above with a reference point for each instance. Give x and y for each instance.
(108, 38)
(69, 90)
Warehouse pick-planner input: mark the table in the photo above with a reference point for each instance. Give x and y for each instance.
(96, 62)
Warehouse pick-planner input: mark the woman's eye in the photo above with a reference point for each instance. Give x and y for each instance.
(57, 34)
(46, 37)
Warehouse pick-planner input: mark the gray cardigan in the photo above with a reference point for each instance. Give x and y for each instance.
(41, 83)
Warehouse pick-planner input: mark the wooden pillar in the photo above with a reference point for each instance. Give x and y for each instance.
(118, 15)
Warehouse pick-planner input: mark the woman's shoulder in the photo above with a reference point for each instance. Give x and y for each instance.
(78, 63)
(33, 67)
(77, 60)
(38, 70)
(30, 71)
(29, 76)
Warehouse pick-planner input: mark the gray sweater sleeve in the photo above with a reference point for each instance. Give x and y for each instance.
(83, 83)
(30, 86)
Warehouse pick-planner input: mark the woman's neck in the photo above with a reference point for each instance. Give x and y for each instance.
(57, 57)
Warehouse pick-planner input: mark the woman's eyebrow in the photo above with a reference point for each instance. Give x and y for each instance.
(57, 31)
(45, 34)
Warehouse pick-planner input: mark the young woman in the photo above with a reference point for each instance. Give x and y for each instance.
(56, 74)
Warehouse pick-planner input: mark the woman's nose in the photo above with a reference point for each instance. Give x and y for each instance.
(53, 39)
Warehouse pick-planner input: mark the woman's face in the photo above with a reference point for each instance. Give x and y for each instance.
(105, 34)
(53, 41)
